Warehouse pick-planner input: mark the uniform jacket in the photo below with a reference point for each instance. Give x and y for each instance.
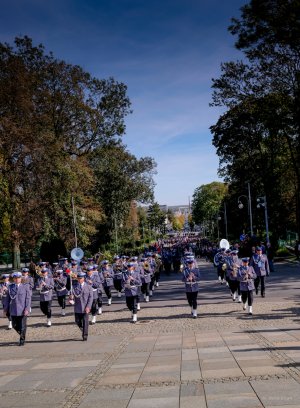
(132, 282)
(4, 291)
(246, 276)
(260, 264)
(191, 278)
(233, 263)
(118, 271)
(60, 285)
(28, 281)
(46, 292)
(101, 279)
(108, 275)
(94, 282)
(83, 297)
(145, 274)
(18, 299)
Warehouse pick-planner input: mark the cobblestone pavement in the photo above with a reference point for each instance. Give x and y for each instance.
(224, 358)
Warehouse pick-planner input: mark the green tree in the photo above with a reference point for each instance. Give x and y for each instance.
(120, 179)
(207, 200)
(53, 115)
(258, 137)
(156, 217)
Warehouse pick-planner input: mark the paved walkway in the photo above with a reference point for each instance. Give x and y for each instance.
(223, 359)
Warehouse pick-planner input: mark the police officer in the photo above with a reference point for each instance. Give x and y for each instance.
(132, 282)
(191, 276)
(17, 303)
(260, 264)
(153, 265)
(146, 276)
(45, 286)
(60, 287)
(219, 261)
(246, 276)
(118, 269)
(158, 269)
(82, 298)
(3, 294)
(92, 278)
(233, 263)
(108, 275)
(100, 288)
(28, 279)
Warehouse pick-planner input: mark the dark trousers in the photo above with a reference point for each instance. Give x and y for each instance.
(157, 275)
(234, 286)
(221, 272)
(118, 285)
(131, 302)
(261, 280)
(94, 307)
(247, 295)
(192, 299)
(145, 288)
(8, 315)
(19, 323)
(99, 300)
(107, 290)
(62, 301)
(82, 321)
(167, 267)
(46, 308)
(151, 284)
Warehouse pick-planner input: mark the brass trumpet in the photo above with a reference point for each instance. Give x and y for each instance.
(234, 270)
(38, 271)
(73, 275)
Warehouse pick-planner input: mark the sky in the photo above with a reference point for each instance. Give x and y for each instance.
(165, 51)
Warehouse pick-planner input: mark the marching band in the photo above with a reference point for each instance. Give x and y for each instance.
(82, 283)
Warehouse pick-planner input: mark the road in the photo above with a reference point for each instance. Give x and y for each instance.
(224, 358)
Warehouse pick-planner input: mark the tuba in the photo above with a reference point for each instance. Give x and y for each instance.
(146, 267)
(224, 244)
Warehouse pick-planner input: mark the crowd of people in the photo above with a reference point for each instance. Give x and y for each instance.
(82, 283)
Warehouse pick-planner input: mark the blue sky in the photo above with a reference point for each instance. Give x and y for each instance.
(165, 51)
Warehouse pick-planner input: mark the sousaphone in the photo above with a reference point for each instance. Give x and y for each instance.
(77, 254)
(224, 244)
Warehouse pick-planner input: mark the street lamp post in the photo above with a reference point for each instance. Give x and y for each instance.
(218, 229)
(225, 220)
(74, 221)
(241, 205)
(116, 234)
(262, 202)
(250, 209)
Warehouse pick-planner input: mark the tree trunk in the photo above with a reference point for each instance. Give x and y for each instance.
(16, 250)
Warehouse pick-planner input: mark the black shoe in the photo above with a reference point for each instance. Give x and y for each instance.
(84, 338)
(21, 342)
(262, 295)
(256, 291)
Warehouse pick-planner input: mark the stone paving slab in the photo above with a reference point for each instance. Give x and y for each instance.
(277, 392)
(231, 395)
(48, 400)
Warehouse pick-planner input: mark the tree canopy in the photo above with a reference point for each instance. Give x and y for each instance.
(258, 137)
(60, 137)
